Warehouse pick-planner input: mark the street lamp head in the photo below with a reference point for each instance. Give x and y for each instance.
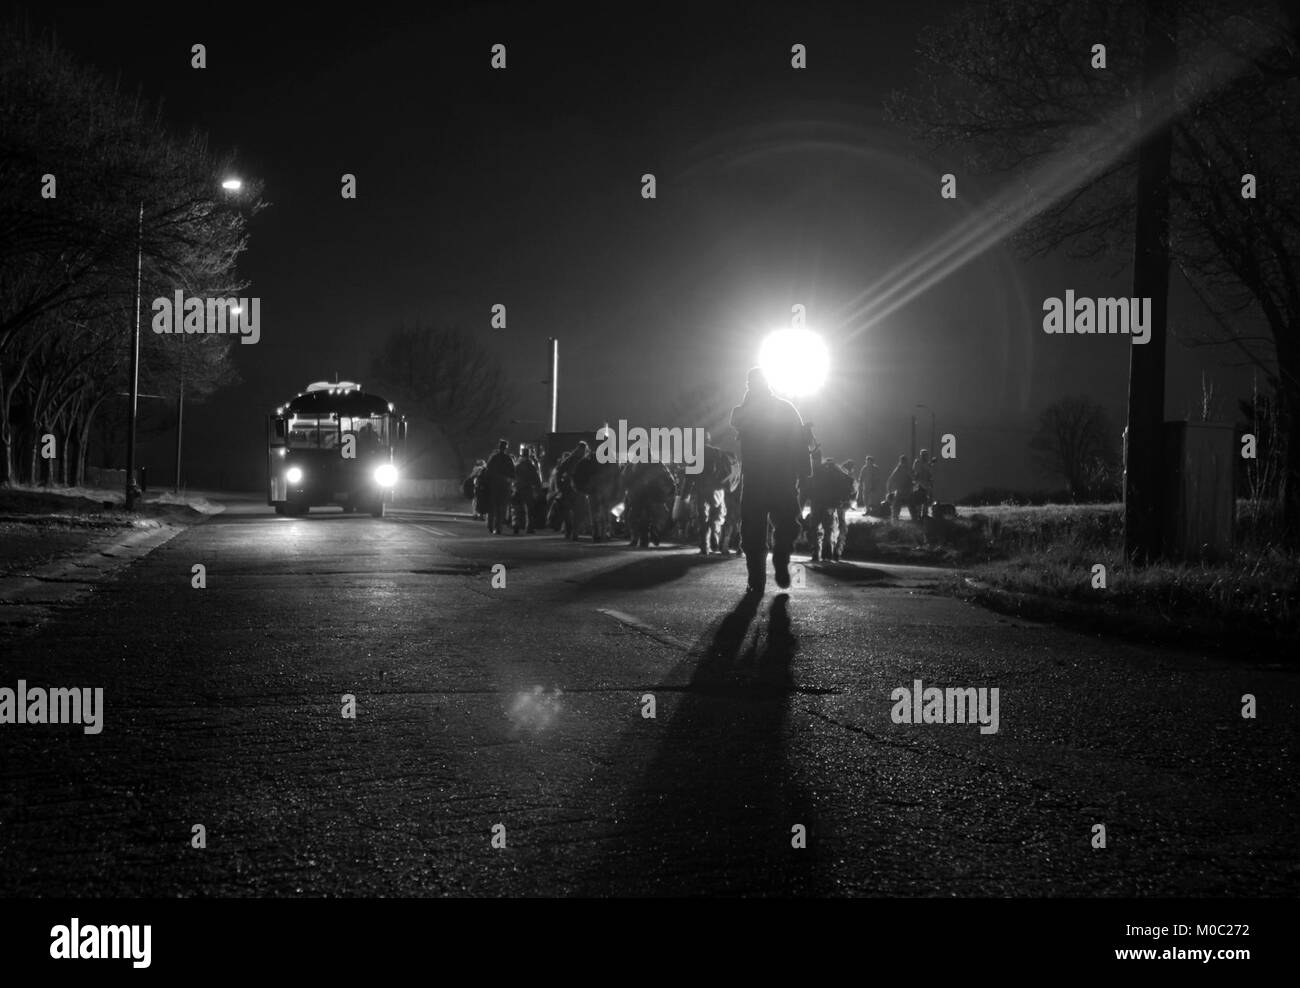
(232, 185)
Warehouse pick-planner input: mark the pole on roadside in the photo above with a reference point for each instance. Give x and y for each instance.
(135, 367)
(555, 381)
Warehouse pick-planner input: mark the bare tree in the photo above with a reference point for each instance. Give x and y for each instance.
(1013, 86)
(90, 179)
(1076, 442)
(448, 378)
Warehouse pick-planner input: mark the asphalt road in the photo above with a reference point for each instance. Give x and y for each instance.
(523, 706)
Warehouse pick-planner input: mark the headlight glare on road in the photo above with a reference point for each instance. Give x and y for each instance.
(386, 475)
(293, 475)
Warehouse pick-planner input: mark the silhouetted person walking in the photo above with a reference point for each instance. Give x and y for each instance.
(774, 446)
(900, 488)
(500, 473)
(923, 478)
(869, 486)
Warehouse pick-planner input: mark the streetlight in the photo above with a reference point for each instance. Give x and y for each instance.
(795, 361)
(230, 185)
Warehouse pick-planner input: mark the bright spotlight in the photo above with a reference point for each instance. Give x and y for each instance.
(232, 185)
(795, 361)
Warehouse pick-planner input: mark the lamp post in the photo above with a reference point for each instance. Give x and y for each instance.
(553, 344)
(230, 185)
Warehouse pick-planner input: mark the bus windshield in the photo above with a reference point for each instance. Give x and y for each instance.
(323, 432)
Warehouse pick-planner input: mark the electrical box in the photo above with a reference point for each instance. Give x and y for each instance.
(1200, 492)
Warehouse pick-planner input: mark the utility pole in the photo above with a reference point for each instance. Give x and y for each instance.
(555, 380)
(1144, 468)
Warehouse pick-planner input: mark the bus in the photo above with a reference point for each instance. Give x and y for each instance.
(333, 444)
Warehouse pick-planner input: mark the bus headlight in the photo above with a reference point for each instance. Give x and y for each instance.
(386, 475)
(293, 475)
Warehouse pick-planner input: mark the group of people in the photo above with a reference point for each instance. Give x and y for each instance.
(503, 485)
(580, 492)
(910, 487)
(779, 485)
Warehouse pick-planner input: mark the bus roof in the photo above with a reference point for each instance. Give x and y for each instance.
(352, 401)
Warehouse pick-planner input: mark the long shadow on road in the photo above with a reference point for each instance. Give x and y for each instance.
(649, 570)
(715, 809)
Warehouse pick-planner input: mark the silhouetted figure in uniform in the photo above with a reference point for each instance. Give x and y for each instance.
(500, 473)
(774, 446)
(828, 489)
(528, 487)
(899, 486)
(923, 479)
(475, 490)
(650, 491)
(849, 468)
(568, 495)
(707, 491)
(869, 493)
(555, 506)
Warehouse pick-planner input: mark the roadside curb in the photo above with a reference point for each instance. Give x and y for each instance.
(27, 601)
(435, 512)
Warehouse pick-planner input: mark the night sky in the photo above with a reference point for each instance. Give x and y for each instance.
(522, 186)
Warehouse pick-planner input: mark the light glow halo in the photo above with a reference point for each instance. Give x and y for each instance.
(795, 361)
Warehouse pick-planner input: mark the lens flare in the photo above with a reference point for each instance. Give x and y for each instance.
(795, 361)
